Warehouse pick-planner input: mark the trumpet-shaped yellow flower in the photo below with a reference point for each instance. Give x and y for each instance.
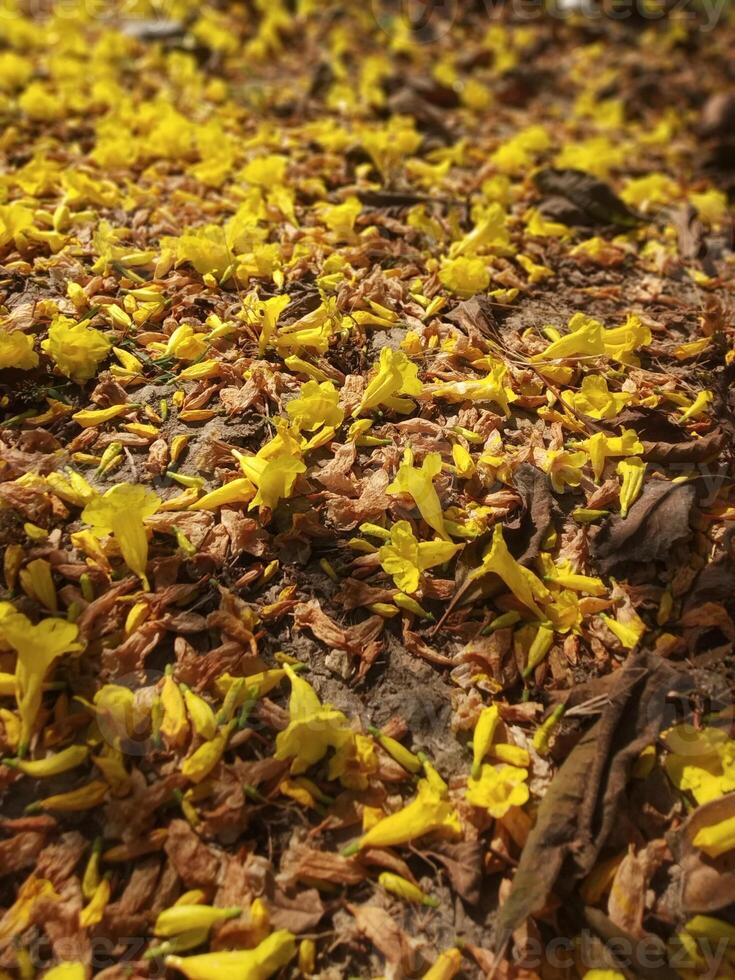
(589, 338)
(70, 970)
(17, 350)
(270, 955)
(51, 765)
(428, 812)
(701, 761)
(37, 647)
(600, 447)
(621, 343)
(483, 736)
(631, 472)
(121, 512)
(595, 399)
(396, 376)
(182, 918)
(88, 418)
(114, 706)
(200, 713)
(37, 581)
(447, 965)
(405, 889)
(202, 761)
(274, 468)
(269, 312)
(174, 726)
(564, 468)
(493, 388)
(698, 407)
(405, 558)
(317, 404)
(85, 797)
(418, 483)
(353, 762)
(17, 917)
(238, 491)
(465, 276)
(498, 788)
(524, 585)
(563, 575)
(313, 727)
(76, 348)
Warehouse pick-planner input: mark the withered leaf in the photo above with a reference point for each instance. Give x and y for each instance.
(706, 884)
(653, 525)
(580, 807)
(597, 202)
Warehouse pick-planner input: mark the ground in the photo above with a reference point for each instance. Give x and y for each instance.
(366, 490)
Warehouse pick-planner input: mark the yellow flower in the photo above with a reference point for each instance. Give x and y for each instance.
(202, 761)
(174, 726)
(447, 965)
(270, 955)
(698, 406)
(716, 839)
(405, 558)
(88, 418)
(16, 350)
(632, 472)
(317, 404)
(86, 797)
(396, 376)
(701, 761)
(269, 312)
(622, 342)
(200, 713)
(594, 398)
(498, 789)
(37, 648)
(274, 468)
(630, 631)
(599, 446)
(489, 234)
(121, 512)
(524, 585)
(418, 483)
(353, 762)
(114, 706)
(464, 276)
(239, 491)
(37, 581)
(654, 188)
(588, 338)
(429, 811)
(76, 348)
(17, 917)
(92, 913)
(340, 218)
(313, 728)
(563, 575)
(492, 388)
(183, 918)
(405, 889)
(483, 736)
(70, 970)
(51, 765)
(564, 468)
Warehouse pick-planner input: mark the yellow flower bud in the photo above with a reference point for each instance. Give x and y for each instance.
(405, 889)
(184, 918)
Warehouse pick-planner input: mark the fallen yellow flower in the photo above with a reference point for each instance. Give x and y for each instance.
(121, 512)
(429, 812)
(270, 955)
